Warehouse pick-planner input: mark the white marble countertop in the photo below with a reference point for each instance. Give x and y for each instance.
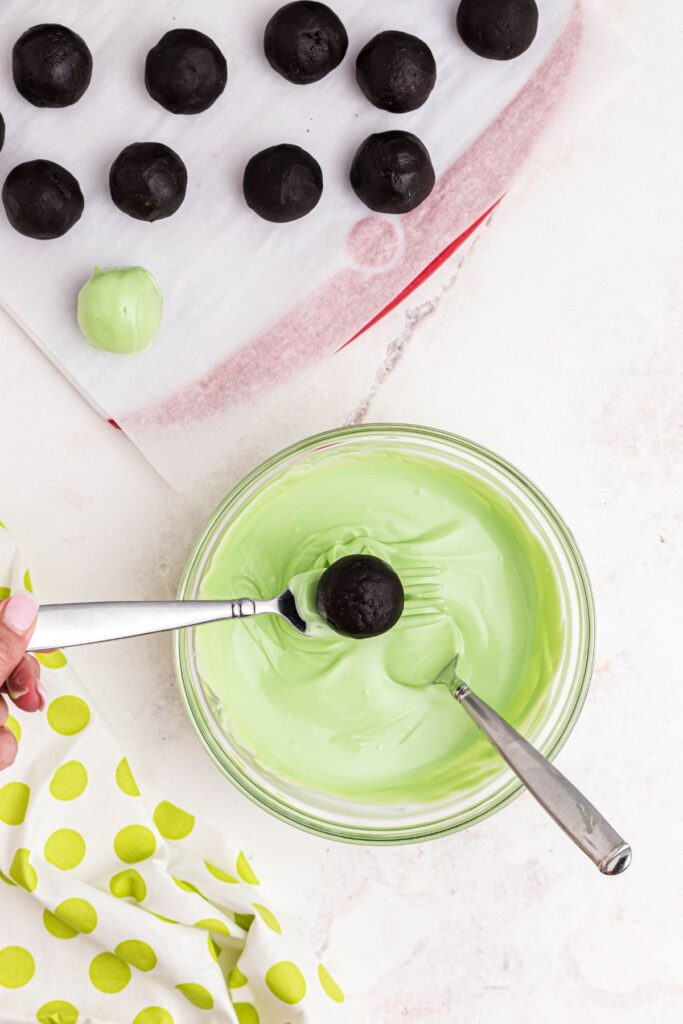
(558, 343)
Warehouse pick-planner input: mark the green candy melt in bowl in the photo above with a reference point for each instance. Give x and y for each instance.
(546, 721)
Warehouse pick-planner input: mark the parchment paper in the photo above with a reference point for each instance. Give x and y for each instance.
(248, 302)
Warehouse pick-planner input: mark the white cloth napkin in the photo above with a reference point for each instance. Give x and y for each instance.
(120, 907)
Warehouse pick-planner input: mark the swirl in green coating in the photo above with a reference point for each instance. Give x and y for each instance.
(120, 310)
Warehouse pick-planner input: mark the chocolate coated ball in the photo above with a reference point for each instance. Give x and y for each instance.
(396, 71)
(283, 183)
(51, 65)
(360, 596)
(498, 29)
(42, 199)
(304, 41)
(392, 172)
(148, 181)
(185, 72)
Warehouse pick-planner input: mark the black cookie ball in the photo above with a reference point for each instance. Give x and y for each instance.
(185, 72)
(396, 71)
(2, 131)
(304, 41)
(52, 66)
(360, 596)
(392, 172)
(283, 183)
(148, 181)
(498, 29)
(41, 199)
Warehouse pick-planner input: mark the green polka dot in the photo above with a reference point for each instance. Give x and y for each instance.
(57, 1012)
(286, 981)
(222, 876)
(13, 802)
(57, 928)
(69, 781)
(138, 954)
(17, 967)
(211, 924)
(244, 920)
(125, 779)
(109, 973)
(214, 948)
(128, 884)
(51, 659)
(65, 849)
(268, 917)
(187, 886)
(236, 979)
(22, 872)
(246, 1013)
(197, 995)
(14, 727)
(79, 914)
(28, 584)
(330, 986)
(172, 822)
(72, 917)
(68, 715)
(154, 1015)
(166, 920)
(4, 591)
(134, 843)
(244, 870)
(6, 880)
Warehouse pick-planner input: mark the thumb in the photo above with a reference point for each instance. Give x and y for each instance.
(17, 619)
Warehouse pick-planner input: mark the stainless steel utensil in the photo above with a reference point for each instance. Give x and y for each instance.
(569, 808)
(74, 625)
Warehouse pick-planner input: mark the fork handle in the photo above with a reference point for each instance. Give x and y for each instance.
(569, 808)
(73, 625)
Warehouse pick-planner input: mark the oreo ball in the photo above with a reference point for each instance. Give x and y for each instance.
(51, 65)
(392, 172)
(2, 131)
(148, 181)
(42, 199)
(396, 71)
(185, 72)
(282, 183)
(360, 596)
(304, 41)
(498, 29)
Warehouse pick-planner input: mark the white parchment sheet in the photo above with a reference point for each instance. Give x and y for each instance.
(247, 302)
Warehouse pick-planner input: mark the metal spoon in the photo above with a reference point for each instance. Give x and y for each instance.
(569, 808)
(74, 625)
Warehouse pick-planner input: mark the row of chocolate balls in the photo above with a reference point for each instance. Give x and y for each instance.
(391, 173)
(186, 71)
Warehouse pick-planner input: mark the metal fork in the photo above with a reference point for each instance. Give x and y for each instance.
(565, 804)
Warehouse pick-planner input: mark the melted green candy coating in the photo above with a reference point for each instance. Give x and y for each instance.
(120, 310)
(359, 719)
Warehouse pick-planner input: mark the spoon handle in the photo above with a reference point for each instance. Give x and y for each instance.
(71, 625)
(576, 815)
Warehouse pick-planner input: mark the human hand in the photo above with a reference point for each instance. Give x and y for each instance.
(19, 672)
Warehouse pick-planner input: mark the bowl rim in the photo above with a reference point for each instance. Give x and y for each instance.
(379, 835)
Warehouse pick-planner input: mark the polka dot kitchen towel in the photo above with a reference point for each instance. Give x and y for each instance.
(121, 910)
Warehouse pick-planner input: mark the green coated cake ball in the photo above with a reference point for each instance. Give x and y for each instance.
(120, 310)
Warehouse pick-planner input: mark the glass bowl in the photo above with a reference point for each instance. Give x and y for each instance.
(548, 729)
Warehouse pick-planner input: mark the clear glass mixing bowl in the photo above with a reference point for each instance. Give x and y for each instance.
(337, 819)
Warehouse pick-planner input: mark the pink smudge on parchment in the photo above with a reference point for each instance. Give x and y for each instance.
(359, 295)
